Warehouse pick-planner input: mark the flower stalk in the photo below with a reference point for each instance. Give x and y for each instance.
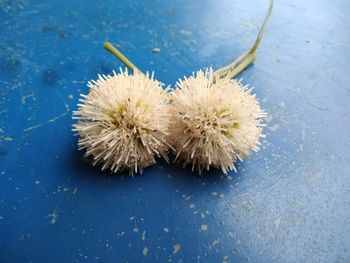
(248, 57)
(108, 46)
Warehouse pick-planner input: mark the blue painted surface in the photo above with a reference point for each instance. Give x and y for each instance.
(288, 203)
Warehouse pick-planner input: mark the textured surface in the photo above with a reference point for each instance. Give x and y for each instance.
(288, 203)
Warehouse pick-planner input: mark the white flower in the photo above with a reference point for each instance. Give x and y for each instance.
(214, 122)
(123, 121)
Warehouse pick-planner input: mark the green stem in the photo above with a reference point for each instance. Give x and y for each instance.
(120, 56)
(248, 57)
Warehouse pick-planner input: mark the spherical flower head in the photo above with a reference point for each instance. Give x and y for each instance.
(214, 122)
(123, 121)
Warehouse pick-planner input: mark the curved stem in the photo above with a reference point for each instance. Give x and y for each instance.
(120, 56)
(248, 57)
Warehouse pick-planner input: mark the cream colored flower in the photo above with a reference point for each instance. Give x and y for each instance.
(123, 122)
(214, 123)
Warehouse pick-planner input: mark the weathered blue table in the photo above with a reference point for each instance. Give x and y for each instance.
(288, 203)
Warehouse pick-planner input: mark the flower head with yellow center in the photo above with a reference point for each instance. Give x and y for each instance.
(123, 121)
(214, 122)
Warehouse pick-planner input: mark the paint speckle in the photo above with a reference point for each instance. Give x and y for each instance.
(53, 216)
(215, 242)
(283, 104)
(204, 227)
(277, 222)
(145, 251)
(120, 234)
(268, 118)
(192, 206)
(24, 98)
(188, 197)
(143, 237)
(166, 230)
(156, 50)
(176, 248)
(185, 32)
(231, 234)
(274, 127)
(214, 193)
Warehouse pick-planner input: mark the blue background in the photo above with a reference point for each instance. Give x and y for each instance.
(288, 203)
